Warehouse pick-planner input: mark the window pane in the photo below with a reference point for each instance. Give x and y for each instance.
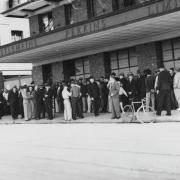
(79, 70)
(123, 54)
(78, 62)
(166, 45)
(125, 71)
(169, 64)
(86, 69)
(167, 55)
(176, 43)
(133, 57)
(133, 61)
(123, 59)
(113, 58)
(134, 70)
(86, 62)
(177, 64)
(176, 53)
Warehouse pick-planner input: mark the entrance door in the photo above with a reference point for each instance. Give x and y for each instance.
(47, 73)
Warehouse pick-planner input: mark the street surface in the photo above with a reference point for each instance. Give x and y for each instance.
(90, 151)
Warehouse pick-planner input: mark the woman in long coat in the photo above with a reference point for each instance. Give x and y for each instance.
(26, 103)
(67, 105)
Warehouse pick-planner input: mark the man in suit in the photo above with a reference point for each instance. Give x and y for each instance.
(114, 97)
(94, 93)
(48, 95)
(164, 91)
(14, 102)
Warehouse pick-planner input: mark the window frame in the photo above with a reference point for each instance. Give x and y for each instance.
(118, 68)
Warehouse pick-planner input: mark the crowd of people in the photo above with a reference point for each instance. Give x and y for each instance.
(77, 97)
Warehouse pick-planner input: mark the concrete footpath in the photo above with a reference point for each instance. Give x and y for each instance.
(89, 118)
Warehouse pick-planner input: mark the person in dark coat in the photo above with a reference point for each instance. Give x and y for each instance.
(95, 95)
(41, 101)
(104, 95)
(38, 96)
(164, 84)
(48, 95)
(131, 87)
(21, 108)
(124, 83)
(1, 104)
(174, 103)
(14, 102)
(141, 87)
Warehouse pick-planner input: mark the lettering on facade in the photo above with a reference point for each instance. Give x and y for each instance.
(162, 7)
(85, 29)
(16, 48)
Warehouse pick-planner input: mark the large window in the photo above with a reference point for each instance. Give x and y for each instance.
(82, 68)
(16, 35)
(46, 23)
(68, 14)
(124, 61)
(171, 53)
(90, 8)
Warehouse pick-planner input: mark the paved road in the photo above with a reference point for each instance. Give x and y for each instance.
(90, 152)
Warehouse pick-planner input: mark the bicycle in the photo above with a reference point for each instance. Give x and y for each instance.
(143, 114)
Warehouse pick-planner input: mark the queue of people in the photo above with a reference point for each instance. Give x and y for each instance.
(77, 97)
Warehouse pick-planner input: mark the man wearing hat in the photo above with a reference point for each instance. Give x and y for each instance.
(164, 84)
(14, 102)
(48, 95)
(95, 95)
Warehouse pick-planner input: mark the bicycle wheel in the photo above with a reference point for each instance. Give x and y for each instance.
(128, 114)
(146, 114)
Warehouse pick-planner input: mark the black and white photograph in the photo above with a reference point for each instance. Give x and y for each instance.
(89, 89)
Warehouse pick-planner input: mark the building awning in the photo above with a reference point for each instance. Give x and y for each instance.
(99, 35)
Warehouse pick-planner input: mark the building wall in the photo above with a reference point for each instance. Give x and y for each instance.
(59, 19)
(79, 12)
(37, 76)
(103, 7)
(34, 25)
(9, 24)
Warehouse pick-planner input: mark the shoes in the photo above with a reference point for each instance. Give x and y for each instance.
(118, 117)
(168, 114)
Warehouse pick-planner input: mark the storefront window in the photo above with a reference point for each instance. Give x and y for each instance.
(171, 53)
(124, 61)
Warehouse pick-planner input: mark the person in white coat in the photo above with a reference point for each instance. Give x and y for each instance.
(177, 87)
(67, 105)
